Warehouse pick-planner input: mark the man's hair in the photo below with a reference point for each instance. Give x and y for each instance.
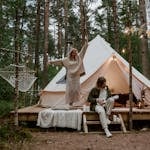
(100, 81)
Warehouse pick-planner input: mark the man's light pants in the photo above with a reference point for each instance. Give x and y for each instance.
(105, 111)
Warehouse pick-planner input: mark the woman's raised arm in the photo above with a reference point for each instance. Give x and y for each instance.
(83, 50)
(57, 62)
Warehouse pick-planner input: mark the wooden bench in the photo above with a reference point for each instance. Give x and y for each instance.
(92, 118)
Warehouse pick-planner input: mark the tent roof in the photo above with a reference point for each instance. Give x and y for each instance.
(98, 53)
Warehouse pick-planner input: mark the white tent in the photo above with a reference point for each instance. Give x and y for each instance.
(100, 60)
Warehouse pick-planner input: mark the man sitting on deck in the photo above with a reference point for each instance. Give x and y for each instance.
(101, 101)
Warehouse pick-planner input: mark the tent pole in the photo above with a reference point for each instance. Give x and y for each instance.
(130, 84)
(130, 69)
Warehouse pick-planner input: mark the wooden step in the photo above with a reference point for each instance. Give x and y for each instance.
(92, 118)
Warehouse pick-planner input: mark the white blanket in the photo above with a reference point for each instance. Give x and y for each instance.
(60, 118)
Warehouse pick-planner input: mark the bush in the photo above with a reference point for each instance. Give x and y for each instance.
(12, 134)
(5, 107)
(6, 90)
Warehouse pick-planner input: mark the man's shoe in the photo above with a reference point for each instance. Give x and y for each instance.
(108, 135)
(107, 132)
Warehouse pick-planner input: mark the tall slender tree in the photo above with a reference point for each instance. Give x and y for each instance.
(37, 34)
(129, 25)
(16, 38)
(83, 20)
(144, 40)
(66, 23)
(46, 41)
(59, 22)
(115, 23)
(1, 20)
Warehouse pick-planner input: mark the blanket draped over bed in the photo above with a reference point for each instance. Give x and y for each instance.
(60, 118)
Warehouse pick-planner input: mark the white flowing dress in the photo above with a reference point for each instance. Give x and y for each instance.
(74, 68)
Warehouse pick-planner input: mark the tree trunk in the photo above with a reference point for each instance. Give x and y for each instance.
(66, 26)
(129, 23)
(59, 32)
(46, 41)
(115, 18)
(82, 21)
(16, 39)
(108, 22)
(2, 24)
(144, 40)
(37, 34)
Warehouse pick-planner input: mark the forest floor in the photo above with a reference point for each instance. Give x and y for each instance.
(93, 141)
(69, 139)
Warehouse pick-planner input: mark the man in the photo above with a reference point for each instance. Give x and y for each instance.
(101, 101)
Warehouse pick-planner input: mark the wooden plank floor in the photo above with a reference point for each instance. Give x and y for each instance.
(138, 114)
(31, 113)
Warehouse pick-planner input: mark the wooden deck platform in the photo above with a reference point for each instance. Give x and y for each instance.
(31, 113)
(138, 114)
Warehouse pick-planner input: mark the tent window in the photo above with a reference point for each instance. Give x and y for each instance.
(62, 80)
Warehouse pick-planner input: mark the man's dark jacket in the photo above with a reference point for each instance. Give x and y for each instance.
(93, 95)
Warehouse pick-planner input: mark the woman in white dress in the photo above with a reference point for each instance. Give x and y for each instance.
(74, 68)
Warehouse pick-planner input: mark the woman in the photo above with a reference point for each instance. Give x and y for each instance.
(74, 68)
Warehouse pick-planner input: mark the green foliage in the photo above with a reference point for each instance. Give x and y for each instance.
(51, 50)
(28, 98)
(99, 21)
(135, 45)
(6, 90)
(5, 107)
(136, 52)
(12, 134)
(25, 99)
(53, 71)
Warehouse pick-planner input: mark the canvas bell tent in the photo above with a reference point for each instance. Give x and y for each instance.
(100, 60)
